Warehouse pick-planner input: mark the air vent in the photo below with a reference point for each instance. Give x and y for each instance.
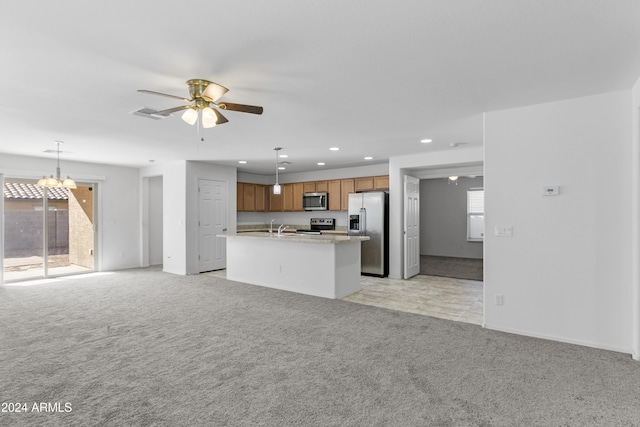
(149, 113)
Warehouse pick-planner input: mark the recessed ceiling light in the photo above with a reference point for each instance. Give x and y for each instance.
(368, 158)
(284, 156)
(281, 168)
(334, 148)
(242, 161)
(426, 140)
(320, 163)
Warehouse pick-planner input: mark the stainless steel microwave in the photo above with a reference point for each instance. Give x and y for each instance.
(315, 201)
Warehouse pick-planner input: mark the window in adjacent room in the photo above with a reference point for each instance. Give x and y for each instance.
(475, 214)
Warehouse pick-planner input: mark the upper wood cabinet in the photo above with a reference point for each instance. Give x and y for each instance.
(364, 184)
(261, 200)
(334, 194)
(240, 197)
(249, 197)
(275, 201)
(322, 187)
(381, 182)
(287, 197)
(298, 190)
(309, 187)
(346, 186)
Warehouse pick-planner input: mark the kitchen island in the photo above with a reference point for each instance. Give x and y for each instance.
(320, 265)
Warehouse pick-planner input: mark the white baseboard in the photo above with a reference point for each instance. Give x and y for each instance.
(560, 339)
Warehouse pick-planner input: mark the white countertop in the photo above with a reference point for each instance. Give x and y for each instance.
(299, 238)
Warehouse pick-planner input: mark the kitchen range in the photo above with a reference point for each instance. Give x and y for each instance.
(318, 225)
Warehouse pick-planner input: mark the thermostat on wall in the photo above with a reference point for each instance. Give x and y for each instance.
(551, 191)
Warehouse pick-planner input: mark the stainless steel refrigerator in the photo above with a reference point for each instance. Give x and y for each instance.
(368, 216)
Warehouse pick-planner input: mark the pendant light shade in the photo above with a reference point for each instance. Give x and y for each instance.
(276, 187)
(209, 117)
(190, 116)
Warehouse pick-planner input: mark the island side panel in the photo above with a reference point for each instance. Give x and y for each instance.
(309, 268)
(347, 270)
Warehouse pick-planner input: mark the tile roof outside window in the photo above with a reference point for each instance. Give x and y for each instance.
(20, 190)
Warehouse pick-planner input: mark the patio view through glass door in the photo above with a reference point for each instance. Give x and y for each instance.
(47, 231)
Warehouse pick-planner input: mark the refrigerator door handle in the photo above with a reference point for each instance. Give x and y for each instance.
(363, 221)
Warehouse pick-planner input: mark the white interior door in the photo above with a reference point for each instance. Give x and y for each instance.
(411, 226)
(211, 222)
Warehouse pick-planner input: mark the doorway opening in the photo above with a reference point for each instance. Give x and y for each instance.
(48, 232)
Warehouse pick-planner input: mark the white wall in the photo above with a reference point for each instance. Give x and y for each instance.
(460, 159)
(117, 192)
(443, 218)
(566, 272)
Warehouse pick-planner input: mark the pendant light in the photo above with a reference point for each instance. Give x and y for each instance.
(276, 187)
(56, 181)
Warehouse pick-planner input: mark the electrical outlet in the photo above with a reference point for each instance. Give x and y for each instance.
(499, 299)
(503, 231)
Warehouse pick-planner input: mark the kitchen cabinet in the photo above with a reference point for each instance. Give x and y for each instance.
(298, 190)
(309, 187)
(335, 197)
(239, 196)
(364, 183)
(322, 187)
(249, 197)
(381, 182)
(346, 186)
(287, 197)
(261, 199)
(275, 200)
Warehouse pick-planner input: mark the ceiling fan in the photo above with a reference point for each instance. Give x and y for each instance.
(204, 95)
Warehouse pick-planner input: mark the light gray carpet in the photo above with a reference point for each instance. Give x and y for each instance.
(142, 348)
(457, 268)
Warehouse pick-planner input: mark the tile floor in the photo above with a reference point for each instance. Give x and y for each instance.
(443, 297)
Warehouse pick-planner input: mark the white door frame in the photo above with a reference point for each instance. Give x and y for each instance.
(411, 229)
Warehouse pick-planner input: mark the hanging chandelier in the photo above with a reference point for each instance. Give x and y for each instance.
(56, 181)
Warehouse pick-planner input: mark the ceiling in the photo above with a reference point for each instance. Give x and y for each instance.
(371, 77)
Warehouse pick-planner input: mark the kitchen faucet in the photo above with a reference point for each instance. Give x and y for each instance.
(281, 229)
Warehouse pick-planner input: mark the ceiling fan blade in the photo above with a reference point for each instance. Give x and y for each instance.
(214, 91)
(172, 110)
(221, 119)
(150, 92)
(241, 107)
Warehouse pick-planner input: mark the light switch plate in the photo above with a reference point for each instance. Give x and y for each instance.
(553, 190)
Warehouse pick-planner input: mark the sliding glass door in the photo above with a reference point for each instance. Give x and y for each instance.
(48, 231)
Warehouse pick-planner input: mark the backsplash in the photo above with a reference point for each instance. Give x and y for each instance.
(301, 219)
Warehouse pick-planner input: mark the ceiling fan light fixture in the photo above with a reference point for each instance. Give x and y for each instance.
(209, 117)
(190, 116)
